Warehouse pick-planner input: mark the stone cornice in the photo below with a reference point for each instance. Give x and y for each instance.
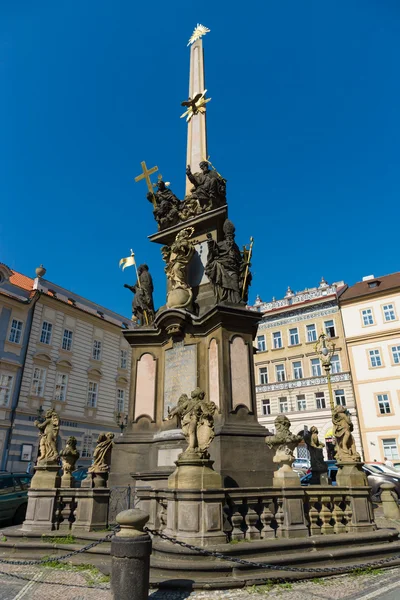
(300, 383)
(301, 314)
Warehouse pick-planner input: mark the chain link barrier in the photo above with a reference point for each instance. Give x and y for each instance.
(65, 556)
(259, 565)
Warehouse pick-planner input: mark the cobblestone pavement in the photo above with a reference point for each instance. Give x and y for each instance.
(34, 583)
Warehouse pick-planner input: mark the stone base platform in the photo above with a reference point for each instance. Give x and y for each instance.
(174, 567)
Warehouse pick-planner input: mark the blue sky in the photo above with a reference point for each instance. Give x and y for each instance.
(304, 123)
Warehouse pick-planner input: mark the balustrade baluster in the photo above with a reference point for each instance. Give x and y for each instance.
(266, 517)
(237, 523)
(348, 512)
(313, 516)
(279, 516)
(59, 512)
(162, 516)
(326, 516)
(251, 520)
(338, 515)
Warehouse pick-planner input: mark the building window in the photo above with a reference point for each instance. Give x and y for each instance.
(280, 373)
(61, 387)
(67, 340)
(261, 345)
(390, 449)
(120, 401)
(263, 375)
(388, 312)
(92, 394)
(316, 367)
(320, 400)
(96, 354)
(294, 336)
(301, 402)
(123, 359)
(335, 364)
(375, 358)
(367, 316)
(297, 370)
(5, 389)
(87, 446)
(15, 332)
(384, 404)
(266, 407)
(340, 398)
(45, 336)
(311, 333)
(277, 338)
(39, 378)
(283, 405)
(330, 328)
(396, 354)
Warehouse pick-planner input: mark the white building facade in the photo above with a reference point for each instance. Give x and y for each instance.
(289, 375)
(371, 317)
(77, 362)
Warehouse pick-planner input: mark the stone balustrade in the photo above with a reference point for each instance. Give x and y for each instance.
(265, 513)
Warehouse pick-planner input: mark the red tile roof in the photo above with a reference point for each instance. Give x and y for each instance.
(363, 288)
(21, 281)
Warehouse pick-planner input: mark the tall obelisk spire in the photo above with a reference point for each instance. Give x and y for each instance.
(197, 134)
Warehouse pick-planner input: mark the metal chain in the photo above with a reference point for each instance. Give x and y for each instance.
(65, 556)
(258, 565)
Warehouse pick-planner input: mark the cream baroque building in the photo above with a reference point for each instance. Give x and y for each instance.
(71, 355)
(371, 317)
(289, 375)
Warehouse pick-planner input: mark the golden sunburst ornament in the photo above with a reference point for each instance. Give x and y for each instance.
(198, 33)
(195, 105)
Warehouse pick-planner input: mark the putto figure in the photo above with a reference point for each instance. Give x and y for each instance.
(102, 454)
(225, 267)
(142, 303)
(196, 418)
(315, 448)
(69, 456)
(209, 187)
(283, 441)
(342, 430)
(49, 428)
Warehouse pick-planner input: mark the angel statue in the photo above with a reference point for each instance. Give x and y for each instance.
(48, 432)
(342, 430)
(102, 454)
(196, 418)
(177, 258)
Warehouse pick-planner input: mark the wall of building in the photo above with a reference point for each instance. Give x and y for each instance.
(373, 383)
(297, 395)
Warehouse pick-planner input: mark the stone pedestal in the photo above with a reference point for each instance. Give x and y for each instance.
(46, 477)
(293, 520)
(92, 509)
(95, 480)
(213, 350)
(350, 474)
(40, 513)
(389, 501)
(194, 473)
(67, 481)
(285, 477)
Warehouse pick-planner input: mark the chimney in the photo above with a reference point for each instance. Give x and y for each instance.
(368, 277)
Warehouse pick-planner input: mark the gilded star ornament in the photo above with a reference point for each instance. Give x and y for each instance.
(198, 33)
(195, 105)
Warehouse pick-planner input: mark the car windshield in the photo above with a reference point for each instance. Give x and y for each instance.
(382, 469)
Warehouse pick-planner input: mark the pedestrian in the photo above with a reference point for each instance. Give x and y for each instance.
(388, 463)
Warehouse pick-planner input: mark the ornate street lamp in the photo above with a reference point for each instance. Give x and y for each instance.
(325, 349)
(121, 420)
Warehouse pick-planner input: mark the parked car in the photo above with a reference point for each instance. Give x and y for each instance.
(301, 463)
(79, 475)
(14, 496)
(378, 474)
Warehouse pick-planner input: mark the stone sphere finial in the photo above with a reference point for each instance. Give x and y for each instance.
(132, 522)
(40, 271)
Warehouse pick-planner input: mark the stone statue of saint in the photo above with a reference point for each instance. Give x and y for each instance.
(342, 430)
(166, 211)
(177, 258)
(69, 456)
(315, 448)
(209, 187)
(49, 428)
(102, 454)
(224, 266)
(142, 303)
(196, 418)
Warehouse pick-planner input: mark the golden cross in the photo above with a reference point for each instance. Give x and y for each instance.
(146, 176)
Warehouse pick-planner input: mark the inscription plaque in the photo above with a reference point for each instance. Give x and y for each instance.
(168, 456)
(180, 373)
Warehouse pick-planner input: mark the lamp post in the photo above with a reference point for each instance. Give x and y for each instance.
(325, 349)
(122, 421)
